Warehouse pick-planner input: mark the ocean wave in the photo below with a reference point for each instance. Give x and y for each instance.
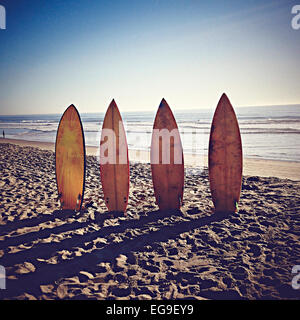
(46, 122)
(269, 121)
(182, 131)
(270, 131)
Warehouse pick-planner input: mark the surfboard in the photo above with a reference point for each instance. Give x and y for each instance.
(225, 158)
(167, 164)
(114, 162)
(70, 160)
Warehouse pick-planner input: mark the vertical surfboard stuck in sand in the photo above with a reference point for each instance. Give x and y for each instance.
(114, 162)
(225, 159)
(70, 160)
(167, 164)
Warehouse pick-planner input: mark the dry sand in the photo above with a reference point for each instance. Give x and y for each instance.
(147, 254)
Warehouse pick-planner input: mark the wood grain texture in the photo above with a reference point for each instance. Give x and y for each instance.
(225, 158)
(70, 160)
(114, 162)
(167, 164)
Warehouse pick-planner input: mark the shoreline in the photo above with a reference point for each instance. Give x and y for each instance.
(251, 166)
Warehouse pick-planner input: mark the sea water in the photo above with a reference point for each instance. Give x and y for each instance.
(271, 132)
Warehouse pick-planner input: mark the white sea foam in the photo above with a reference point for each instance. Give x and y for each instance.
(267, 132)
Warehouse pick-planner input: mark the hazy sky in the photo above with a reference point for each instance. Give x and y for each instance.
(54, 53)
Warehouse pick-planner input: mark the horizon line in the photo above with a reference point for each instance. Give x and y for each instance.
(148, 110)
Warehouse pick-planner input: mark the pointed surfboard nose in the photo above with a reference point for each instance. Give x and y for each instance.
(113, 103)
(224, 96)
(163, 112)
(224, 104)
(224, 99)
(163, 104)
(71, 106)
(113, 108)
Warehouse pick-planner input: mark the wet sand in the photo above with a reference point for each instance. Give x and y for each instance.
(145, 254)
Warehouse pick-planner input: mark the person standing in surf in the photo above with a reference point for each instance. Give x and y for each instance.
(3, 133)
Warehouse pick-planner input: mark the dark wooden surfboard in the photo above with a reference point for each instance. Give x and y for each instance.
(167, 163)
(114, 162)
(225, 158)
(70, 160)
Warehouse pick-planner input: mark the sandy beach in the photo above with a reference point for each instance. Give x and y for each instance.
(146, 254)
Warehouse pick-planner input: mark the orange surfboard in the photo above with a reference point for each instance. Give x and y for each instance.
(167, 160)
(225, 158)
(114, 162)
(70, 160)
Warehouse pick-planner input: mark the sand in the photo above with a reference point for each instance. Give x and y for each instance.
(145, 254)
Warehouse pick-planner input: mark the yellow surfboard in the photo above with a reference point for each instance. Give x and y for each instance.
(70, 160)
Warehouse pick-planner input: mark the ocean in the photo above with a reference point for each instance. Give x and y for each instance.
(271, 132)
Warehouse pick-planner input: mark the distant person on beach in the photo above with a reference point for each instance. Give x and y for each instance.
(3, 134)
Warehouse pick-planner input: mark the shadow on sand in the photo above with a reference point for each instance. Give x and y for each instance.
(47, 273)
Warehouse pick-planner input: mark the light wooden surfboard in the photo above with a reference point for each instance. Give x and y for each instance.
(114, 162)
(70, 160)
(225, 158)
(167, 163)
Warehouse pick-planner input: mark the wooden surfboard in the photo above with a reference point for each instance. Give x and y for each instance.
(114, 162)
(70, 160)
(167, 163)
(225, 158)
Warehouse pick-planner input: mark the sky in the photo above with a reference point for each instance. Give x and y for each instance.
(55, 53)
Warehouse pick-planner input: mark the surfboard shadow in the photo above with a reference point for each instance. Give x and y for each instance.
(44, 250)
(153, 214)
(47, 273)
(32, 222)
